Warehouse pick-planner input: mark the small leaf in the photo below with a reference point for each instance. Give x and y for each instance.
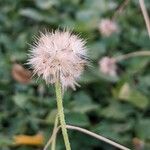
(114, 131)
(133, 96)
(124, 91)
(77, 119)
(20, 100)
(82, 96)
(96, 50)
(51, 116)
(143, 129)
(46, 4)
(32, 14)
(82, 107)
(5, 141)
(116, 111)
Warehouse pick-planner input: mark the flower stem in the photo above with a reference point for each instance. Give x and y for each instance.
(53, 146)
(99, 137)
(145, 14)
(120, 9)
(52, 139)
(133, 54)
(121, 147)
(61, 114)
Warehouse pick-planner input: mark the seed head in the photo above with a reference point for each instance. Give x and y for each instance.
(108, 66)
(58, 55)
(108, 27)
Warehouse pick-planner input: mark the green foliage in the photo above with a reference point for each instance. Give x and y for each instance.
(117, 108)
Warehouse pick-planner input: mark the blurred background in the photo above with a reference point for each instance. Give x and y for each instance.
(114, 105)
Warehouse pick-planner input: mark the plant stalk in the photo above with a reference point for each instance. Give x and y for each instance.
(133, 54)
(145, 15)
(99, 137)
(61, 114)
(53, 146)
(52, 139)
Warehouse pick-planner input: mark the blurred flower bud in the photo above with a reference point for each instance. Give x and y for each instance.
(108, 27)
(108, 66)
(138, 144)
(20, 74)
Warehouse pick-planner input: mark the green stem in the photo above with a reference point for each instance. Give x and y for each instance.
(53, 146)
(61, 114)
(52, 139)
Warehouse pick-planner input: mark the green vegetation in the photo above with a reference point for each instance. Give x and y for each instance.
(117, 108)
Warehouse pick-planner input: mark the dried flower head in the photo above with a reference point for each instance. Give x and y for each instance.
(138, 144)
(108, 66)
(107, 27)
(20, 74)
(60, 56)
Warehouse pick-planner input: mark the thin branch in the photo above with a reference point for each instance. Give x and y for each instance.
(120, 9)
(49, 142)
(55, 130)
(53, 146)
(145, 14)
(97, 137)
(133, 54)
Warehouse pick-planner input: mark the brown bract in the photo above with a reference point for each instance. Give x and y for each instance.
(20, 74)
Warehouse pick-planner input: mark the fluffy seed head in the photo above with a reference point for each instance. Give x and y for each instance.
(60, 56)
(108, 66)
(107, 27)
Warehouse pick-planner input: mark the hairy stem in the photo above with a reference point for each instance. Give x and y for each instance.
(61, 115)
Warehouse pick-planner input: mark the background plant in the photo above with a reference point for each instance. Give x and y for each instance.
(103, 104)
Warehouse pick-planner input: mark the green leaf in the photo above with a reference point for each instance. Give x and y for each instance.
(134, 68)
(20, 100)
(5, 141)
(101, 6)
(143, 129)
(133, 96)
(46, 4)
(32, 14)
(88, 77)
(82, 96)
(113, 131)
(96, 49)
(77, 119)
(116, 111)
(50, 118)
(88, 18)
(82, 107)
